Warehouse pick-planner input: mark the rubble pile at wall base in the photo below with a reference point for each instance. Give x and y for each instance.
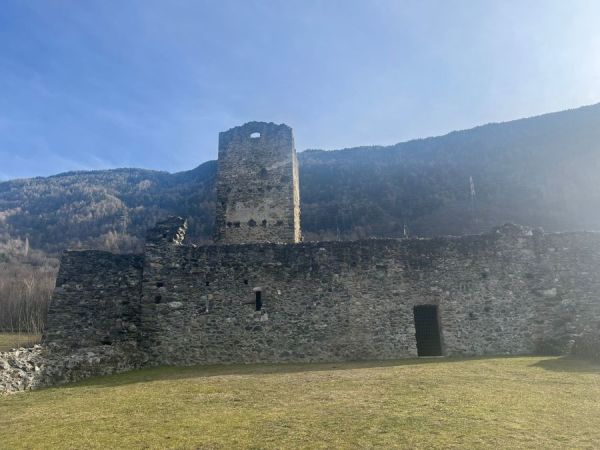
(20, 369)
(24, 369)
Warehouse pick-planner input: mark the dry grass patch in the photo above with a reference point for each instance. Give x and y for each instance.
(528, 402)
(15, 340)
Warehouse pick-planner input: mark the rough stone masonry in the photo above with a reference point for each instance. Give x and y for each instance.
(258, 195)
(260, 295)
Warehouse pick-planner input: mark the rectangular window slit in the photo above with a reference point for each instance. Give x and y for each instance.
(258, 300)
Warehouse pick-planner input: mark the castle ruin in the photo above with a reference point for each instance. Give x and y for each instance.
(259, 294)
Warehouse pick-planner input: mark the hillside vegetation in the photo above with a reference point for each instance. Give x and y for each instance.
(520, 403)
(541, 172)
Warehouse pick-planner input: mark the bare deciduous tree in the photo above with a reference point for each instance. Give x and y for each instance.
(26, 282)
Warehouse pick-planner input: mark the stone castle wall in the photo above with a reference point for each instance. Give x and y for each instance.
(258, 196)
(512, 291)
(508, 292)
(96, 300)
(92, 327)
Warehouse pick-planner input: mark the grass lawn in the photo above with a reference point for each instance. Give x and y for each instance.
(13, 340)
(525, 402)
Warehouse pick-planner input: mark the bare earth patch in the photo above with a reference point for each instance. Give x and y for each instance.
(525, 402)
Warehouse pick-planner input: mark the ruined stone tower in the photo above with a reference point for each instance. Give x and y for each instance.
(258, 197)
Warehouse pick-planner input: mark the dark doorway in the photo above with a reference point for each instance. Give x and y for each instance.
(427, 329)
(258, 300)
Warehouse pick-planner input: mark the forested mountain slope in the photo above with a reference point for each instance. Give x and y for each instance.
(542, 171)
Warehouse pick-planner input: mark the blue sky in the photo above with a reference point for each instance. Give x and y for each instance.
(88, 84)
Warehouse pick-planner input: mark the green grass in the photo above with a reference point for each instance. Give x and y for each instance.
(14, 340)
(526, 402)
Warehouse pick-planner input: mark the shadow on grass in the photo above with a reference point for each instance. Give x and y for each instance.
(569, 364)
(165, 373)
